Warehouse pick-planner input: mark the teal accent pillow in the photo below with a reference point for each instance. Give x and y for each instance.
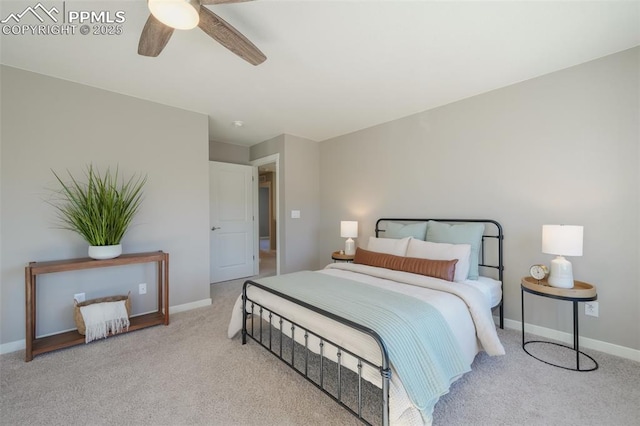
(402, 230)
(463, 233)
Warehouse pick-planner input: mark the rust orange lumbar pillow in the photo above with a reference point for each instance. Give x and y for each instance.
(443, 269)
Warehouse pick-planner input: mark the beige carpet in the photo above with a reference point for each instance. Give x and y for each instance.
(189, 373)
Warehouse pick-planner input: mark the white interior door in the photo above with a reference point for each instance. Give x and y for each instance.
(231, 221)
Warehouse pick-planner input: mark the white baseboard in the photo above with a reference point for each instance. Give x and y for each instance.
(19, 345)
(189, 306)
(585, 342)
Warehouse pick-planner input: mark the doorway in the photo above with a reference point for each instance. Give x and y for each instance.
(267, 200)
(266, 214)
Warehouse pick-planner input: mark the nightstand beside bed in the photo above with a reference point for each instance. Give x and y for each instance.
(341, 257)
(580, 292)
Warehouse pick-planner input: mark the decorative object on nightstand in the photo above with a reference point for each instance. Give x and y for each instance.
(562, 240)
(339, 256)
(539, 272)
(579, 292)
(349, 230)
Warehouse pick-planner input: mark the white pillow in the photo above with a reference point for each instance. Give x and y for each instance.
(443, 251)
(396, 247)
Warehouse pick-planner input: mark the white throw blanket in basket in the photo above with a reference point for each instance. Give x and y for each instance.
(100, 318)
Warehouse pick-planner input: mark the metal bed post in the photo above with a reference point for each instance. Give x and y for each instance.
(383, 368)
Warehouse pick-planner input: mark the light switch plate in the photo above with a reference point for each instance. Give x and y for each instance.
(295, 214)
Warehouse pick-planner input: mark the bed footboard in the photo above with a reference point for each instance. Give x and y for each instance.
(265, 326)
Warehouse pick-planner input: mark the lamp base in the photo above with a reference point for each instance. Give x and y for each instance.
(561, 274)
(349, 247)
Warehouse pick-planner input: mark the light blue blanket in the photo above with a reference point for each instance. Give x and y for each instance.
(421, 346)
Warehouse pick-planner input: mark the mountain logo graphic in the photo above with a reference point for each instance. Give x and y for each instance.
(36, 11)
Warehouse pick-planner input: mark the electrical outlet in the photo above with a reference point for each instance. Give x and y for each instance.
(79, 297)
(591, 309)
(142, 288)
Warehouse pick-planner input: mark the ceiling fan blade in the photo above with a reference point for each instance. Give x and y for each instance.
(155, 36)
(229, 37)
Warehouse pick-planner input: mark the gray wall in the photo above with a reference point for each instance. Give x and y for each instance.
(302, 192)
(49, 123)
(228, 153)
(559, 149)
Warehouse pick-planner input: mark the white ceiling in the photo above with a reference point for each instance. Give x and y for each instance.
(333, 67)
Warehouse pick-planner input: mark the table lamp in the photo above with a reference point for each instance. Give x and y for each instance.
(561, 240)
(349, 230)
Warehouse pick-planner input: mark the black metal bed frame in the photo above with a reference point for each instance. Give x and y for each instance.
(265, 315)
(499, 236)
(385, 370)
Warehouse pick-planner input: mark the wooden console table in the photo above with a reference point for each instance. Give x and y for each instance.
(36, 346)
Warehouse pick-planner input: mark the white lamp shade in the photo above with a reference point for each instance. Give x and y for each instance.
(348, 229)
(564, 240)
(178, 14)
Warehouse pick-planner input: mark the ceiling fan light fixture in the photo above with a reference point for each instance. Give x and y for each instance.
(178, 14)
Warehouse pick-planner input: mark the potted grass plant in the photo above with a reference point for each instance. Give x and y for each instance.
(100, 209)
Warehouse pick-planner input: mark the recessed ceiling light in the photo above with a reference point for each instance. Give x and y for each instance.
(238, 123)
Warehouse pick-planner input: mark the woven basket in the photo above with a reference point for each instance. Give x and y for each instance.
(77, 315)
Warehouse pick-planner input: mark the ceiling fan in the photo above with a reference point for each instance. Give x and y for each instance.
(167, 15)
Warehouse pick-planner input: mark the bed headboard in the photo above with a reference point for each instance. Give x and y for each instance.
(491, 244)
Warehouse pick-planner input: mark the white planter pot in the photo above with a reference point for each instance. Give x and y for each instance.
(105, 252)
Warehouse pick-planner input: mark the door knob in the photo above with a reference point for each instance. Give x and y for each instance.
(215, 227)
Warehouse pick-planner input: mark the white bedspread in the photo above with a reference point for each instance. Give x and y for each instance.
(465, 309)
